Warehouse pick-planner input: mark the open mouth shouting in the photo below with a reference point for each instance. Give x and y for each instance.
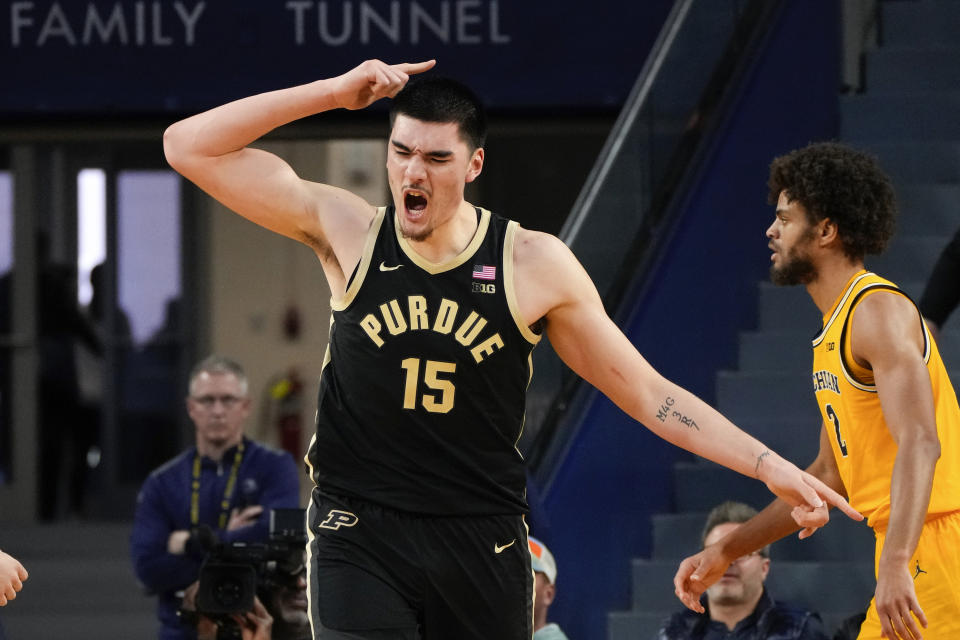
(414, 202)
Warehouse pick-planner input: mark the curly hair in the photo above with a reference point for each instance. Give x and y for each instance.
(847, 186)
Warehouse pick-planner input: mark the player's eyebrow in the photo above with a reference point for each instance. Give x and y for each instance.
(433, 154)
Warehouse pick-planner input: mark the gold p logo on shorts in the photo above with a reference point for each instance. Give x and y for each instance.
(337, 518)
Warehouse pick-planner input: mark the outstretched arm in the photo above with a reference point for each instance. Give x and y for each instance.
(212, 150)
(776, 521)
(551, 284)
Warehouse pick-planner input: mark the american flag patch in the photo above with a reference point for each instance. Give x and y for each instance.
(484, 272)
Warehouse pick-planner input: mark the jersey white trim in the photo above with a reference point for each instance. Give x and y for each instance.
(836, 310)
(368, 246)
(456, 261)
(509, 290)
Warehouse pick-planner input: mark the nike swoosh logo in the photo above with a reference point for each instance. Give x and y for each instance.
(498, 548)
(384, 267)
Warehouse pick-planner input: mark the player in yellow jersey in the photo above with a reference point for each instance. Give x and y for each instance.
(891, 426)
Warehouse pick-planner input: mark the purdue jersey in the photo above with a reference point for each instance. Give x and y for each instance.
(422, 392)
(850, 406)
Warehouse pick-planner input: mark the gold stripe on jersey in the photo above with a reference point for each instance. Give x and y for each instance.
(850, 407)
(368, 245)
(456, 261)
(508, 288)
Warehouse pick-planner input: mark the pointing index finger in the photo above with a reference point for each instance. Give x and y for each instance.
(835, 499)
(415, 67)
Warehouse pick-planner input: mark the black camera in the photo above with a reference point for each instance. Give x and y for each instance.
(232, 574)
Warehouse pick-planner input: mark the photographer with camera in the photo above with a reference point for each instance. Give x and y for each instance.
(254, 590)
(220, 491)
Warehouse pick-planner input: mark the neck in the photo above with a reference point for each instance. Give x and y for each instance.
(832, 277)
(731, 614)
(539, 620)
(215, 450)
(450, 238)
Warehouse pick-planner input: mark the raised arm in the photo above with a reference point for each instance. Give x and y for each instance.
(887, 336)
(212, 150)
(552, 285)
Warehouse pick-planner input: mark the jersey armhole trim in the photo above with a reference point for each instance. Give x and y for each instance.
(845, 331)
(508, 288)
(371, 241)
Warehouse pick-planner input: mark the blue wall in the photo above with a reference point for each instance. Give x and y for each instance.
(685, 322)
(138, 57)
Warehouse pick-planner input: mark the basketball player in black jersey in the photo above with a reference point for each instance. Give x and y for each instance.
(416, 521)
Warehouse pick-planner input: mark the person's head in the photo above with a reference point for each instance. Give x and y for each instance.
(831, 196)
(437, 131)
(286, 600)
(743, 581)
(545, 580)
(218, 403)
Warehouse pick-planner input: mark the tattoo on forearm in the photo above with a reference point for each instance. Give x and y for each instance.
(667, 411)
(760, 461)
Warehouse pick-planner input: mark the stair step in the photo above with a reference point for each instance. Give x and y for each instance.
(758, 395)
(913, 115)
(914, 162)
(908, 259)
(677, 535)
(637, 625)
(56, 623)
(931, 22)
(790, 309)
(81, 583)
(930, 208)
(837, 587)
(775, 351)
(903, 69)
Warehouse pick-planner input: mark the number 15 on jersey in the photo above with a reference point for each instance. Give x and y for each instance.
(439, 394)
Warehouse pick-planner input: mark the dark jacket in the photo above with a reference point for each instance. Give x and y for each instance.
(265, 476)
(770, 620)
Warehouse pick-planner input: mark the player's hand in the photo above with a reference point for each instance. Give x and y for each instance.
(372, 80)
(796, 488)
(12, 575)
(698, 572)
(810, 518)
(245, 517)
(897, 605)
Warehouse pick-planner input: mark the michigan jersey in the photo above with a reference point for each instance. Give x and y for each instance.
(850, 406)
(422, 392)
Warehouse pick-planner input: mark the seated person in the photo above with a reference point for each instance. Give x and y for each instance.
(544, 589)
(738, 606)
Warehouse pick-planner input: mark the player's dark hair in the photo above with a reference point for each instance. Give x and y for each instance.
(438, 99)
(726, 512)
(847, 186)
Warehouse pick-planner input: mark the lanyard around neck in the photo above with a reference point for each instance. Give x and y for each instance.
(227, 492)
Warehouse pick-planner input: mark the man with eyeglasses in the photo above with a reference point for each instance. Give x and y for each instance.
(221, 489)
(737, 606)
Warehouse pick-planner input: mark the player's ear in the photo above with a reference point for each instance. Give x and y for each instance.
(476, 164)
(827, 231)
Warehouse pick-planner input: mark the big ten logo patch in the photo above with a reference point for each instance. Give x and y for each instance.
(484, 287)
(337, 518)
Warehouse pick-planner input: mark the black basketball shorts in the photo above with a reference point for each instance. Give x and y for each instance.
(378, 574)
